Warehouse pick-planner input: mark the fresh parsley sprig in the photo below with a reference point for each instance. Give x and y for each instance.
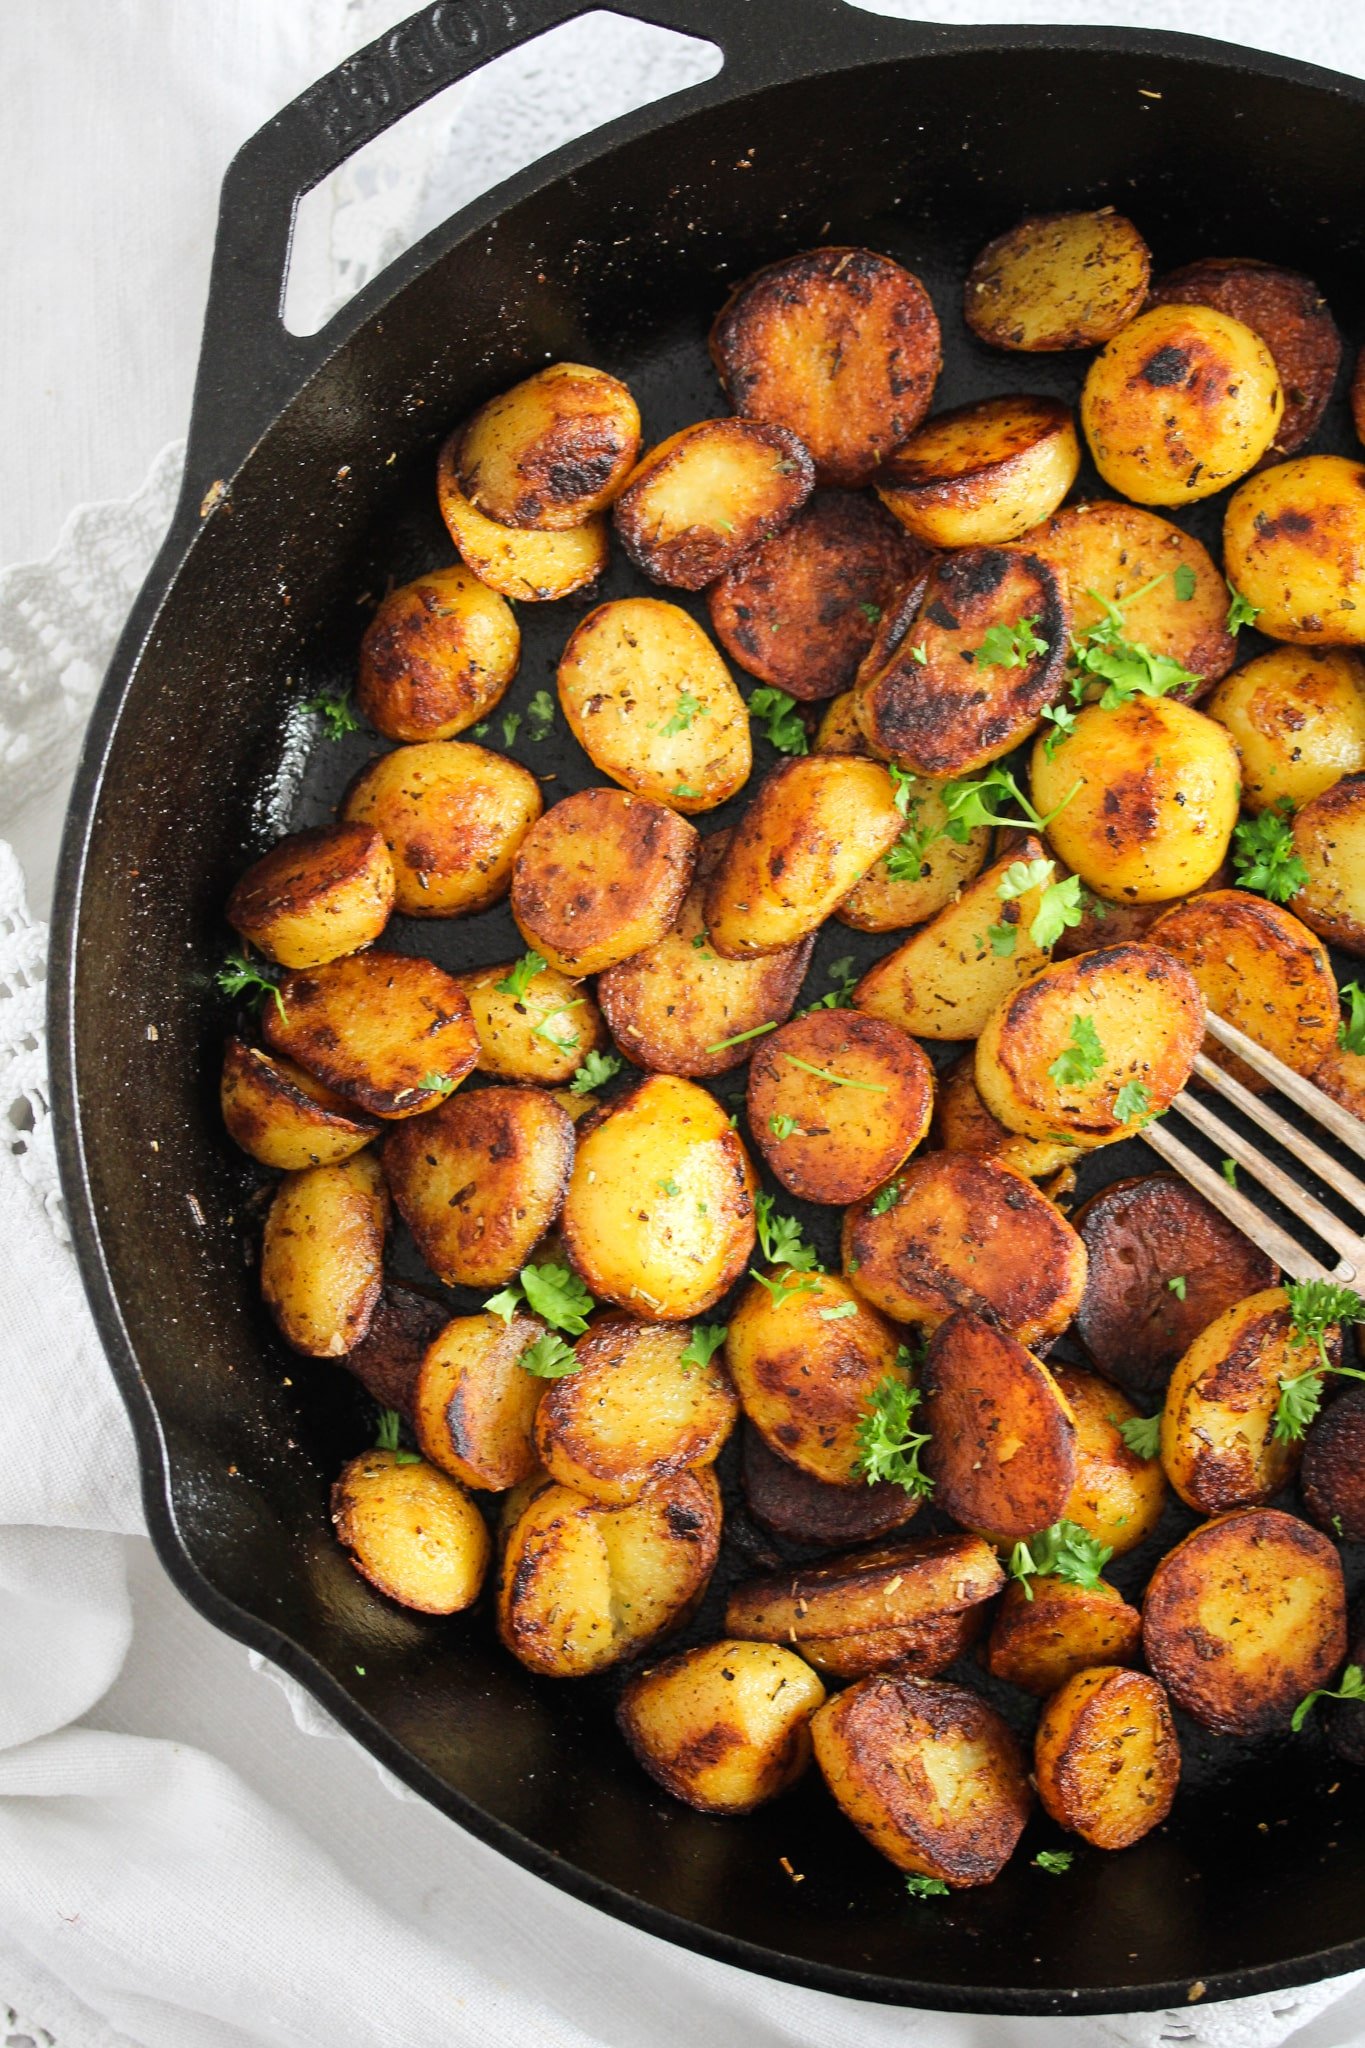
(886, 1198)
(1056, 1862)
(520, 975)
(926, 1887)
(781, 716)
(549, 1357)
(1133, 1103)
(1315, 1308)
(1082, 1059)
(1241, 611)
(554, 1293)
(889, 1444)
(705, 1341)
(597, 1069)
(237, 975)
(781, 1239)
(1352, 1687)
(1351, 1030)
(1142, 1434)
(1065, 1551)
(540, 716)
(1060, 904)
(1006, 646)
(1126, 667)
(1263, 854)
(845, 975)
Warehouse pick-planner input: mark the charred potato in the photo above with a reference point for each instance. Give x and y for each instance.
(1261, 969)
(901, 889)
(453, 816)
(540, 1030)
(693, 506)
(1218, 1441)
(962, 1123)
(1106, 1757)
(1294, 546)
(322, 1255)
(983, 473)
(837, 1101)
(1003, 1441)
(473, 1403)
(1039, 1642)
(601, 876)
(387, 1360)
(1118, 1496)
(1332, 1476)
(1297, 719)
(282, 1116)
(1058, 281)
(1329, 838)
(316, 895)
(437, 656)
(552, 451)
(517, 561)
(392, 1034)
(724, 1727)
(412, 1532)
(801, 1509)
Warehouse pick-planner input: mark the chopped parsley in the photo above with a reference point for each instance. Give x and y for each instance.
(540, 716)
(926, 1887)
(1264, 857)
(1126, 667)
(1010, 646)
(555, 1294)
(1082, 1059)
(520, 975)
(1056, 1862)
(782, 723)
(549, 1357)
(784, 1127)
(1184, 581)
(334, 709)
(887, 1197)
(597, 1069)
(1178, 1286)
(1133, 1104)
(511, 726)
(1352, 1687)
(1065, 1551)
(705, 1340)
(781, 1239)
(237, 975)
(840, 1080)
(685, 711)
(1241, 611)
(1142, 1434)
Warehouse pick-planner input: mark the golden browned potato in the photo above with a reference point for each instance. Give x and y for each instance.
(322, 1254)
(391, 1033)
(841, 345)
(316, 895)
(814, 828)
(437, 656)
(480, 1180)
(1294, 546)
(1262, 970)
(473, 1404)
(962, 1123)
(1046, 1630)
(839, 731)
(923, 872)
(930, 1774)
(1329, 838)
(539, 1027)
(802, 1509)
(601, 876)
(1002, 1439)
(1181, 402)
(1118, 1496)
(1058, 281)
(699, 501)
(1106, 1757)
(837, 1101)
(282, 1116)
(1243, 1618)
(517, 561)
(651, 703)
(1297, 719)
(453, 816)
(966, 1233)
(1218, 1441)
(724, 1727)
(1091, 1049)
(552, 451)
(984, 472)
(1145, 798)
(412, 1532)
(633, 1411)
(1341, 1074)
(659, 1216)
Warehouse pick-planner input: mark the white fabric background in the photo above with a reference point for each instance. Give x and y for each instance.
(190, 1857)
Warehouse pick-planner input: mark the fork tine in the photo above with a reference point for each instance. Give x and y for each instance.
(1289, 1191)
(1343, 1126)
(1288, 1254)
(1294, 1140)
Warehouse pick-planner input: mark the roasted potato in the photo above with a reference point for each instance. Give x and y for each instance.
(282, 1116)
(928, 1772)
(841, 345)
(1243, 1618)
(392, 1034)
(316, 895)
(473, 1405)
(1218, 1441)
(693, 506)
(1341, 1074)
(837, 1101)
(1183, 401)
(1045, 1630)
(966, 1233)
(659, 1216)
(1332, 1476)
(724, 1727)
(1106, 1757)
(839, 731)
(801, 1509)
(1261, 969)
(1358, 395)
(1297, 719)
(517, 561)
(412, 1532)
(1118, 1496)
(453, 817)
(1091, 1049)
(1294, 546)
(1329, 838)
(962, 1123)
(900, 890)
(552, 451)
(388, 1358)
(539, 1028)
(651, 703)
(813, 829)
(322, 1254)
(983, 473)
(1058, 281)
(1003, 1442)
(601, 876)
(437, 656)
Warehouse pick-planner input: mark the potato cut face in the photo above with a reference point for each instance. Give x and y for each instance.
(316, 895)
(806, 1362)
(651, 703)
(898, 1586)
(1294, 546)
(633, 1413)
(280, 1115)
(480, 1180)
(1332, 1476)
(453, 816)
(1243, 1618)
(724, 1727)
(437, 656)
(1106, 1757)
(700, 500)
(1297, 720)
(388, 1358)
(530, 566)
(391, 1033)
(412, 1532)
(601, 876)
(322, 1255)
(802, 1509)
(1039, 1644)
(1058, 281)
(965, 1233)
(930, 1774)
(552, 451)
(983, 473)
(1259, 967)
(1118, 1497)
(962, 1123)
(839, 344)
(801, 609)
(659, 1214)
(540, 1032)
(1003, 1447)
(899, 890)
(837, 1101)
(473, 1406)
(1218, 1441)
(1329, 838)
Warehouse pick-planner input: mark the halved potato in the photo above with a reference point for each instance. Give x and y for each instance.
(1294, 546)
(520, 563)
(1118, 1497)
(1003, 1442)
(322, 1254)
(982, 473)
(962, 1123)
(1329, 838)
(1044, 1635)
(837, 1101)
(724, 1727)
(392, 1034)
(1261, 969)
(839, 731)
(1243, 1618)
(651, 703)
(388, 1358)
(282, 1116)
(601, 876)
(1058, 281)
(473, 1407)
(1332, 1476)
(453, 816)
(543, 1035)
(802, 1509)
(841, 345)
(1218, 1441)
(700, 500)
(1297, 719)
(412, 1532)
(899, 890)
(1106, 1757)
(551, 451)
(437, 656)
(316, 895)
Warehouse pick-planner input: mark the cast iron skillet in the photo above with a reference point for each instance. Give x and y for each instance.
(309, 481)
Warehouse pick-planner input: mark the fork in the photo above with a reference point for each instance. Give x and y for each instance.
(1286, 1251)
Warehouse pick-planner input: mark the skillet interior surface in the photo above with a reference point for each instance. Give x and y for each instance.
(1259, 1877)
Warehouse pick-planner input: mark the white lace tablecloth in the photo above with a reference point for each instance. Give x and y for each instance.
(191, 1856)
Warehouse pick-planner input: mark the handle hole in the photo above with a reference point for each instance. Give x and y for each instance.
(518, 108)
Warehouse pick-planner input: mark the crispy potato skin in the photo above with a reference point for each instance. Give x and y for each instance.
(1294, 545)
(1329, 838)
(1039, 1644)
(438, 654)
(322, 1255)
(1297, 719)
(814, 828)
(521, 1037)
(1358, 396)
(839, 731)
(724, 1727)
(1118, 1497)
(930, 1774)
(695, 504)
(316, 895)
(1106, 1757)
(1182, 401)
(661, 1255)
(552, 451)
(1342, 1076)
(601, 876)
(848, 1138)
(282, 1116)
(881, 903)
(473, 1408)
(412, 1532)
(1148, 1016)
(839, 344)
(532, 567)
(388, 1358)
(1058, 281)
(453, 817)
(1261, 969)
(982, 473)
(1003, 1440)
(1217, 1426)
(806, 1370)
(905, 1587)
(1332, 1476)
(791, 1504)
(962, 1123)
(966, 1233)
(376, 1028)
